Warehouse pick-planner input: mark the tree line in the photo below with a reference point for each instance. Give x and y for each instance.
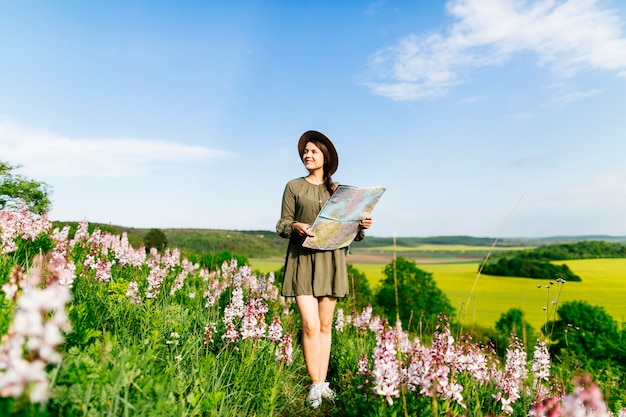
(588, 249)
(537, 262)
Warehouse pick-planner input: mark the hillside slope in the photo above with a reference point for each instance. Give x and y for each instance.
(267, 244)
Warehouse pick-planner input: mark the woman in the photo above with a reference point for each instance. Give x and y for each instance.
(315, 278)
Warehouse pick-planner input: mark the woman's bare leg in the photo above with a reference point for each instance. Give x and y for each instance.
(309, 314)
(326, 307)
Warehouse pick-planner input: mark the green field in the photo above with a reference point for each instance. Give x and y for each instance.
(442, 248)
(604, 284)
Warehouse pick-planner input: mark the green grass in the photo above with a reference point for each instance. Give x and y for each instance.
(604, 284)
(167, 355)
(265, 266)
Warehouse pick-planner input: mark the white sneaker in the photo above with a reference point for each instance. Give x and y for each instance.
(315, 396)
(326, 391)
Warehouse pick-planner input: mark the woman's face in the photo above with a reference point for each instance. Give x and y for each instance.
(312, 157)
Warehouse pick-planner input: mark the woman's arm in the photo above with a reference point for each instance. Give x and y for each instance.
(284, 226)
(365, 223)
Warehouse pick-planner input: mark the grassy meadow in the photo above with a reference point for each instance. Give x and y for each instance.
(92, 326)
(604, 284)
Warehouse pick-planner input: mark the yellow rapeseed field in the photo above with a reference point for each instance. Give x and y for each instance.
(603, 284)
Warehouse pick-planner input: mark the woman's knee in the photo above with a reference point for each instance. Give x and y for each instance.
(311, 327)
(326, 326)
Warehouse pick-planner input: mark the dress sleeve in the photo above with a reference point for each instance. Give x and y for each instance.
(284, 227)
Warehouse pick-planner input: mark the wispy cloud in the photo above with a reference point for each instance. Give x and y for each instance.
(571, 97)
(565, 36)
(50, 154)
(472, 100)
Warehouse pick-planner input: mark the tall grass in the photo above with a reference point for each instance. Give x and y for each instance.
(153, 334)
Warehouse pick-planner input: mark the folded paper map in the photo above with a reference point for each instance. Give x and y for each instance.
(337, 224)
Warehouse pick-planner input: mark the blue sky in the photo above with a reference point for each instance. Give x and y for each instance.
(481, 118)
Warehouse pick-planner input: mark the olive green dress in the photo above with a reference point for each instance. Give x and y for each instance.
(308, 271)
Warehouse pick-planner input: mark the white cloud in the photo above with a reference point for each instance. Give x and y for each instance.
(472, 100)
(573, 96)
(566, 36)
(44, 153)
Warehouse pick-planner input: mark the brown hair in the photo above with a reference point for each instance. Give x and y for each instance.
(328, 181)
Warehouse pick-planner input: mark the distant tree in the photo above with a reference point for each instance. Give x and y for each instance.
(215, 261)
(586, 332)
(227, 256)
(529, 268)
(588, 249)
(15, 188)
(360, 291)
(155, 238)
(512, 323)
(420, 301)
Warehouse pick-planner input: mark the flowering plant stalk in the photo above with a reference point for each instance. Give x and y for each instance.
(36, 332)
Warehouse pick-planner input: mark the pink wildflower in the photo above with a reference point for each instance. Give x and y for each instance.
(209, 331)
(541, 369)
(126, 254)
(375, 324)
(82, 233)
(34, 335)
(236, 307)
(171, 258)
(231, 335)
(275, 332)
(20, 224)
(59, 260)
(133, 293)
(386, 371)
(340, 320)
(402, 337)
(361, 321)
(586, 400)
(155, 279)
(548, 407)
(363, 366)
(229, 269)
(253, 323)
(271, 291)
(472, 359)
(285, 350)
(103, 269)
(187, 268)
(514, 374)
(213, 292)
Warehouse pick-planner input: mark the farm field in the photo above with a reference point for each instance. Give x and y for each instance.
(604, 284)
(441, 248)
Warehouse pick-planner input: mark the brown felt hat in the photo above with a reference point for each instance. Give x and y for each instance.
(315, 135)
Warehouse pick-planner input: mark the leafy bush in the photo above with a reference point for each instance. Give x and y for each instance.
(528, 268)
(511, 324)
(16, 189)
(360, 292)
(213, 262)
(587, 333)
(419, 301)
(155, 238)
